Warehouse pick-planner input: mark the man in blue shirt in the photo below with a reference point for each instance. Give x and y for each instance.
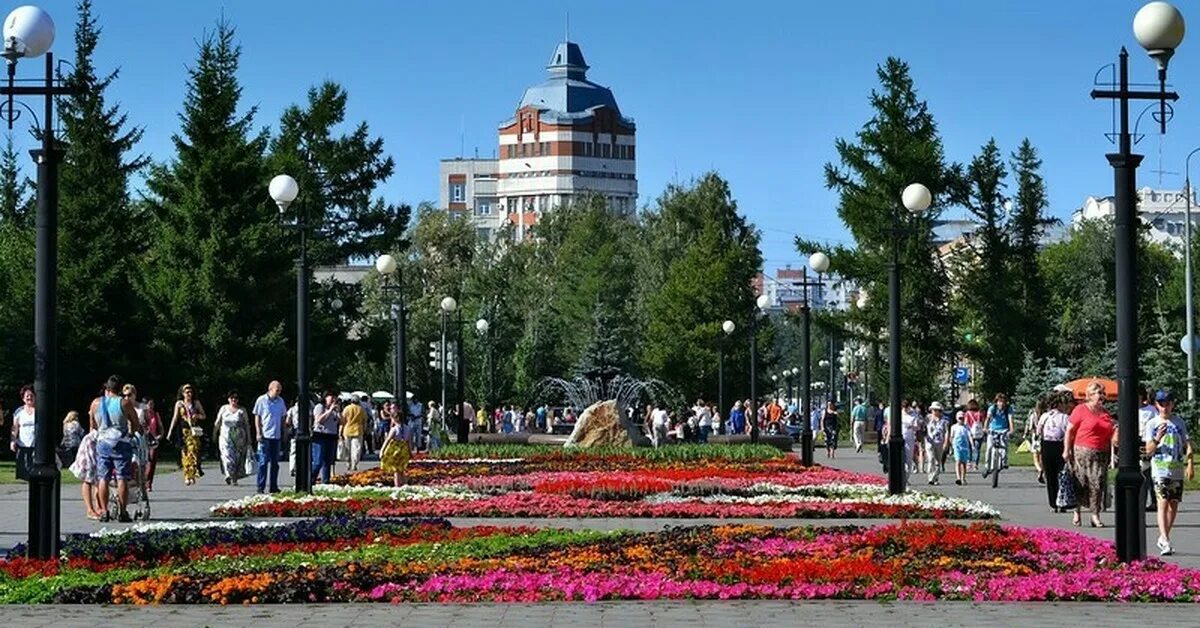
(415, 427)
(1168, 446)
(269, 411)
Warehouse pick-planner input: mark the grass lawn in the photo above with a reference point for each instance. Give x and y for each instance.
(8, 474)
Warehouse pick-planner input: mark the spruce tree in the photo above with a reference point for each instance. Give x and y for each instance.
(1029, 224)
(100, 233)
(898, 146)
(218, 275)
(607, 353)
(16, 273)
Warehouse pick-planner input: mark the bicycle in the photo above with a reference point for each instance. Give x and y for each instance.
(997, 458)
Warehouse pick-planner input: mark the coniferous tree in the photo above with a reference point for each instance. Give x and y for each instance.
(16, 273)
(1029, 224)
(898, 146)
(100, 233)
(607, 353)
(218, 274)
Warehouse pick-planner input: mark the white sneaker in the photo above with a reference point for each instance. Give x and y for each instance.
(1164, 547)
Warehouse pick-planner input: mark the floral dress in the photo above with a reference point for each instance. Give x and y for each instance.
(191, 442)
(234, 441)
(395, 455)
(84, 466)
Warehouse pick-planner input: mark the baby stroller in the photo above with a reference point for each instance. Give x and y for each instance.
(139, 497)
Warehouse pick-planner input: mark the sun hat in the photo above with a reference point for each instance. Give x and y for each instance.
(935, 406)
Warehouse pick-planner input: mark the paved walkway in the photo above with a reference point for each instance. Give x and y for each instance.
(1019, 497)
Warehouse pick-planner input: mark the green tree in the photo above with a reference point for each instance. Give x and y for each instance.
(1029, 223)
(698, 269)
(16, 272)
(899, 145)
(1037, 379)
(216, 275)
(100, 233)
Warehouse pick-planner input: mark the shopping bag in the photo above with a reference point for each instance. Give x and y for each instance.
(1024, 447)
(249, 466)
(1066, 490)
(343, 452)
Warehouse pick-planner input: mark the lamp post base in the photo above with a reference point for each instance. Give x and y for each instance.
(897, 482)
(44, 483)
(806, 447)
(1131, 515)
(304, 463)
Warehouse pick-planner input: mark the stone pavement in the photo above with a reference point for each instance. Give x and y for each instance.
(829, 614)
(1019, 498)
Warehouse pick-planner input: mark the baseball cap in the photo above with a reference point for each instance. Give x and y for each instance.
(1164, 396)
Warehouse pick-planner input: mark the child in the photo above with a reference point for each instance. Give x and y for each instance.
(964, 448)
(395, 452)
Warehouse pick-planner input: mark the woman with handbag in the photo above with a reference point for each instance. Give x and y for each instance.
(1051, 429)
(154, 434)
(1090, 436)
(189, 417)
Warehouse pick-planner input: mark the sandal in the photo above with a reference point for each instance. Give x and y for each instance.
(1078, 521)
(93, 516)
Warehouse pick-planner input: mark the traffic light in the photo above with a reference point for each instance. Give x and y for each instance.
(435, 356)
(451, 356)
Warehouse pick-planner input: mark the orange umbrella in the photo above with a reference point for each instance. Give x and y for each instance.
(1079, 387)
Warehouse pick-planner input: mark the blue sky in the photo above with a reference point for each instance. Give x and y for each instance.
(755, 90)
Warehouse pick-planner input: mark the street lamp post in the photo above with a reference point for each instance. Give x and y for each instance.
(447, 306)
(760, 305)
(284, 190)
(1189, 306)
(916, 199)
(393, 284)
(485, 329)
(28, 33)
(728, 327)
(819, 262)
(1159, 28)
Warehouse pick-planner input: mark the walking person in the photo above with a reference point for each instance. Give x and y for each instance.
(704, 421)
(115, 420)
(1031, 436)
(1051, 430)
(737, 419)
(353, 425)
(964, 445)
(269, 413)
(23, 433)
(999, 421)
(937, 437)
(1147, 411)
(1168, 446)
(153, 429)
(1090, 437)
(975, 422)
(85, 470)
(831, 429)
(189, 418)
(914, 410)
(395, 453)
(73, 433)
(858, 418)
(233, 438)
(327, 419)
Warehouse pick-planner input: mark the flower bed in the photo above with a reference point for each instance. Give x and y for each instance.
(360, 560)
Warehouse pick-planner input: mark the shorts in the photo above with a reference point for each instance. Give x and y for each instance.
(1168, 490)
(114, 458)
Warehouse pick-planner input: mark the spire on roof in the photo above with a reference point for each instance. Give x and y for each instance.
(567, 61)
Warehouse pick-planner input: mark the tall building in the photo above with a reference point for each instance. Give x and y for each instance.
(567, 139)
(1163, 210)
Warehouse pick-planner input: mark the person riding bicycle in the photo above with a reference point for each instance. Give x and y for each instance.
(999, 424)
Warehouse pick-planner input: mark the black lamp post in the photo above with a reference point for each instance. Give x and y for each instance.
(1159, 28)
(760, 304)
(393, 287)
(460, 379)
(819, 263)
(447, 306)
(485, 330)
(916, 199)
(284, 190)
(728, 327)
(28, 33)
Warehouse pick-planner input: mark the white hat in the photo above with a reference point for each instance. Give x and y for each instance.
(935, 406)
(1061, 388)
(409, 395)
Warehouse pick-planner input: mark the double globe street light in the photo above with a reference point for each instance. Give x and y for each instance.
(760, 307)
(819, 262)
(728, 327)
(393, 287)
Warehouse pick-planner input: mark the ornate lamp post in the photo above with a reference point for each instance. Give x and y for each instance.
(484, 328)
(728, 327)
(28, 33)
(760, 305)
(916, 199)
(393, 285)
(819, 262)
(284, 190)
(1159, 28)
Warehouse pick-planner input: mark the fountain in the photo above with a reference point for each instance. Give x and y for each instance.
(606, 401)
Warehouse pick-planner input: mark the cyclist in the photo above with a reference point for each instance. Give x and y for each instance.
(999, 424)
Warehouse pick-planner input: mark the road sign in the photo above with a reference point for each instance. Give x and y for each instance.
(962, 375)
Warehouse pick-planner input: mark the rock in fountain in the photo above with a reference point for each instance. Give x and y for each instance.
(600, 425)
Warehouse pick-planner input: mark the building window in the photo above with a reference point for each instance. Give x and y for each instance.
(512, 151)
(483, 208)
(545, 148)
(631, 152)
(587, 149)
(542, 203)
(457, 192)
(604, 148)
(512, 205)
(484, 233)
(521, 150)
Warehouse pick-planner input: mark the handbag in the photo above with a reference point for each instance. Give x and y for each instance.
(249, 466)
(1066, 490)
(343, 452)
(1025, 446)
(197, 431)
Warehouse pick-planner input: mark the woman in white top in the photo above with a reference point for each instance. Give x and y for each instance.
(23, 433)
(1051, 430)
(233, 438)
